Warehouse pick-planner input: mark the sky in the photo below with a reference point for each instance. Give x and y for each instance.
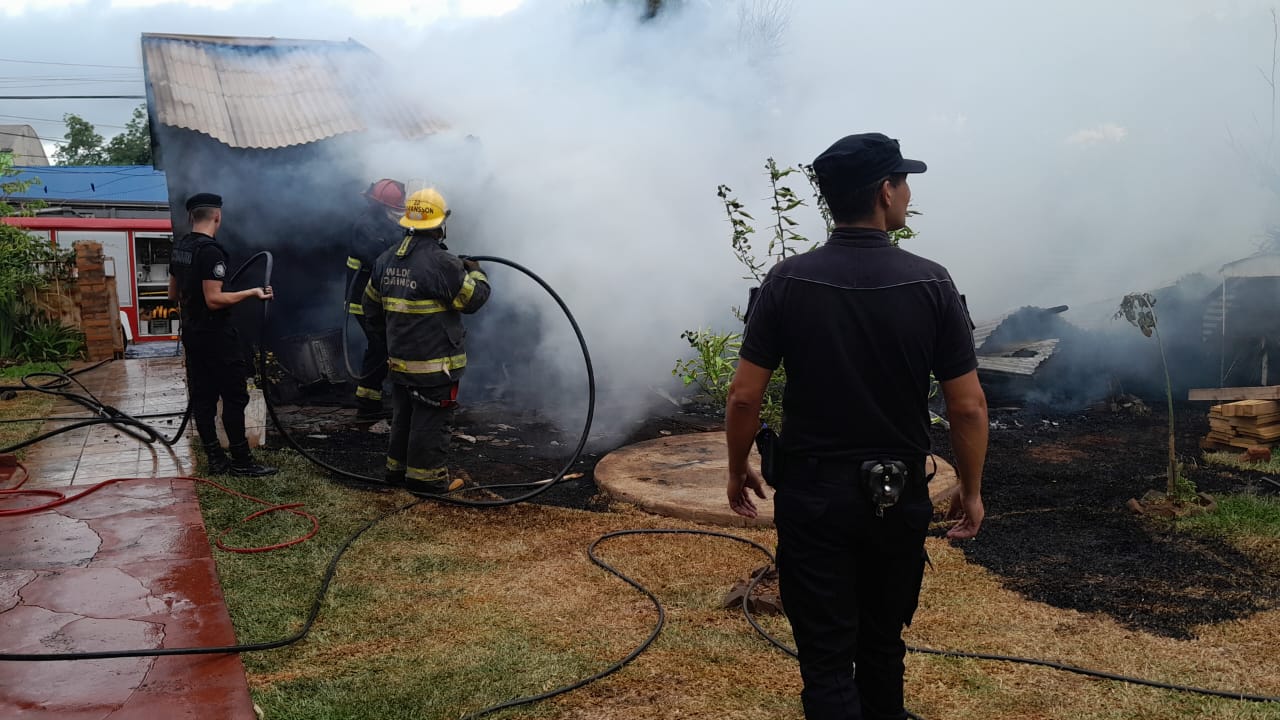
(1077, 150)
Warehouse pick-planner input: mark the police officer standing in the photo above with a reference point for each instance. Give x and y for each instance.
(415, 299)
(215, 364)
(859, 324)
(374, 231)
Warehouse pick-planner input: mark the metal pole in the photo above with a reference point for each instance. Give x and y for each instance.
(1222, 353)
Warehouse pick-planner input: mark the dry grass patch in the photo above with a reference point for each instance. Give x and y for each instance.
(441, 611)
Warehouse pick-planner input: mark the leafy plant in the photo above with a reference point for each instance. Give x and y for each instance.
(24, 258)
(1140, 310)
(45, 339)
(716, 353)
(713, 364)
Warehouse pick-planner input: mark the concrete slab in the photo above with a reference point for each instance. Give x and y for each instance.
(126, 567)
(90, 455)
(683, 476)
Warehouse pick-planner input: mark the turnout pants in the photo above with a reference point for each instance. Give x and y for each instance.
(216, 369)
(849, 583)
(421, 429)
(373, 366)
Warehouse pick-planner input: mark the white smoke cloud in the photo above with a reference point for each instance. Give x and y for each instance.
(1104, 133)
(602, 139)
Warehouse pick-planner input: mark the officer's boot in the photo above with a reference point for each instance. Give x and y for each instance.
(243, 464)
(218, 462)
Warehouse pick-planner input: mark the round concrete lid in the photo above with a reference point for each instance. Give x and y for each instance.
(683, 476)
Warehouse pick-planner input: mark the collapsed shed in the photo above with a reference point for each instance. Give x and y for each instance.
(1013, 348)
(283, 131)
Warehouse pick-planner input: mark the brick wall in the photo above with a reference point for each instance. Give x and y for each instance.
(99, 309)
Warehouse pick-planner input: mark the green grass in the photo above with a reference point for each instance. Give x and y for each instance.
(1232, 459)
(17, 371)
(1239, 516)
(385, 645)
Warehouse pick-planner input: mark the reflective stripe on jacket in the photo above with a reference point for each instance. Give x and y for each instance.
(416, 296)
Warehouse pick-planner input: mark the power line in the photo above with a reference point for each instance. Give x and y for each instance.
(71, 78)
(45, 62)
(65, 86)
(69, 194)
(60, 122)
(73, 97)
(35, 137)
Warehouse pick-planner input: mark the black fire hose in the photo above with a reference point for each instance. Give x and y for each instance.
(105, 414)
(332, 566)
(346, 327)
(538, 487)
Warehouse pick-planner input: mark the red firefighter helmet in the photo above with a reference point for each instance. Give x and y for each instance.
(387, 192)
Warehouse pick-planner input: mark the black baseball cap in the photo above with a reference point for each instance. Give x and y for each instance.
(200, 200)
(856, 161)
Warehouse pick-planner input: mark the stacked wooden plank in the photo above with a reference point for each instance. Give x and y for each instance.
(1243, 424)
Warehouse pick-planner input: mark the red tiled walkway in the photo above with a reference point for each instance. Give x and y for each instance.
(127, 567)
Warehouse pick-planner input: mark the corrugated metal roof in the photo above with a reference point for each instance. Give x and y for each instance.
(1025, 360)
(1264, 264)
(103, 183)
(983, 331)
(269, 93)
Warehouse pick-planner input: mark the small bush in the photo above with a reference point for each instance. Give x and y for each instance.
(716, 353)
(49, 340)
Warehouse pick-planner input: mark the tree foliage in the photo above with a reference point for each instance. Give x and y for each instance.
(133, 146)
(85, 146)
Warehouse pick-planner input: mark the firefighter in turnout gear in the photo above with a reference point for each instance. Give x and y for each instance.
(372, 234)
(417, 294)
(215, 364)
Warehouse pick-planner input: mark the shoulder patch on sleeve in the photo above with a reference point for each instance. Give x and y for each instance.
(220, 270)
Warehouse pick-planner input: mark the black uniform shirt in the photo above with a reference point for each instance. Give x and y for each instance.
(196, 258)
(859, 324)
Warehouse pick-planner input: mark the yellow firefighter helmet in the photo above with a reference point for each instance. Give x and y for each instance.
(424, 210)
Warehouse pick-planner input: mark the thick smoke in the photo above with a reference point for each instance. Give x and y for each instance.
(1078, 150)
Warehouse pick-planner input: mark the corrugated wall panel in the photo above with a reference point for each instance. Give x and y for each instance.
(263, 93)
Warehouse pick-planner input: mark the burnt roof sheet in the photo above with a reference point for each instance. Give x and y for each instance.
(1024, 360)
(267, 93)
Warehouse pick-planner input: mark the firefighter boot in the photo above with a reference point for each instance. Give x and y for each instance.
(458, 480)
(243, 464)
(370, 409)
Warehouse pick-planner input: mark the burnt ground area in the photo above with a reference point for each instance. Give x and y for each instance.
(494, 447)
(1058, 532)
(1056, 484)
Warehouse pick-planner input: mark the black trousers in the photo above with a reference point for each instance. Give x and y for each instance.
(373, 366)
(849, 583)
(216, 369)
(421, 430)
